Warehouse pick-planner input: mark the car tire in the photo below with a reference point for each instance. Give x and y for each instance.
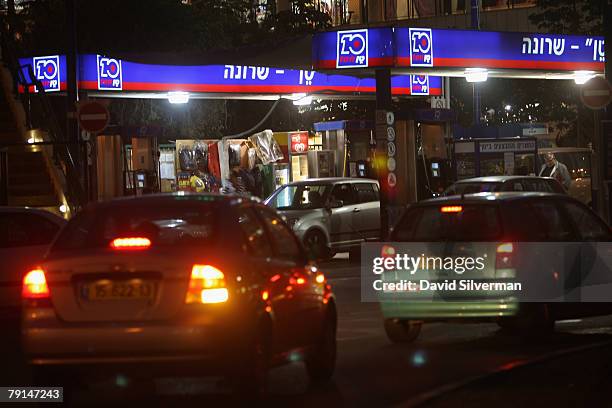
(321, 361)
(316, 245)
(45, 376)
(402, 331)
(533, 320)
(251, 378)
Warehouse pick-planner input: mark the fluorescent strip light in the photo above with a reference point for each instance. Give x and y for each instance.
(582, 77)
(476, 74)
(178, 97)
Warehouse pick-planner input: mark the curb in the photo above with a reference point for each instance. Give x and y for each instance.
(440, 391)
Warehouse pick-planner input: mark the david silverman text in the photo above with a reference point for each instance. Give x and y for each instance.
(446, 285)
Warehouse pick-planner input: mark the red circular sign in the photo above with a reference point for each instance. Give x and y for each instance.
(93, 117)
(596, 93)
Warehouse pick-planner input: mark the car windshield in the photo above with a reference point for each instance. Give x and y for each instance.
(464, 223)
(472, 188)
(300, 197)
(165, 225)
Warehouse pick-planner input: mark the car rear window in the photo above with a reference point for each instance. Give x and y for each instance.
(472, 223)
(165, 225)
(473, 188)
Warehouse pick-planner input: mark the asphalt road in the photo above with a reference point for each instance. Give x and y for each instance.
(371, 372)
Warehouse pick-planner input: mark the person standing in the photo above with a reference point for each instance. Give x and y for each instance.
(555, 169)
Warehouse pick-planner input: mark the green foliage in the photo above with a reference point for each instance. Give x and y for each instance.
(109, 26)
(569, 16)
(303, 17)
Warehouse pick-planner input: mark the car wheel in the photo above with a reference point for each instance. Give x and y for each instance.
(321, 361)
(44, 376)
(532, 320)
(316, 244)
(402, 331)
(251, 378)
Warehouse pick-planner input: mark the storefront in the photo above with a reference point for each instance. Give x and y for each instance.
(495, 157)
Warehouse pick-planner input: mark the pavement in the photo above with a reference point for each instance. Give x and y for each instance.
(447, 364)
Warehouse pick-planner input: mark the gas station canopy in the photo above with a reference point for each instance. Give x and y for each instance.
(462, 53)
(112, 77)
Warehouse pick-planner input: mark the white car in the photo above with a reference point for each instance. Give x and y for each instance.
(25, 235)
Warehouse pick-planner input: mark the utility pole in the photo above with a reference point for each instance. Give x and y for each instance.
(606, 125)
(384, 104)
(475, 25)
(72, 94)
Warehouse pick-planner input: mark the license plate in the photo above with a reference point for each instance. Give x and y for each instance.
(105, 289)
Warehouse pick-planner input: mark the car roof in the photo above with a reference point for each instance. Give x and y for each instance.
(544, 150)
(333, 180)
(497, 179)
(153, 199)
(490, 197)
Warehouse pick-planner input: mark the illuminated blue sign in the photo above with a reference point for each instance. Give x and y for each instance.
(109, 73)
(359, 48)
(421, 48)
(352, 49)
(419, 84)
(47, 70)
(503, 50)
(426, 48)
(103, 73)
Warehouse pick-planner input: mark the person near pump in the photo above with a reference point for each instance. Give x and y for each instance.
(555, 169)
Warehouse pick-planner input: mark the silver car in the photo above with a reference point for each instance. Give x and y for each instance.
(330, 215)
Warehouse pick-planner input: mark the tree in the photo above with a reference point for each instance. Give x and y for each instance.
(109, 26)
(569, 16)
(303, 17)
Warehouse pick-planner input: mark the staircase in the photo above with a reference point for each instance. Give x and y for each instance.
(29, 183)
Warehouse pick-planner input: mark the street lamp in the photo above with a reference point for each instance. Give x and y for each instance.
(508, 108)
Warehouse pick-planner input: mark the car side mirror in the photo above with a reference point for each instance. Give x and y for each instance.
(336, 204)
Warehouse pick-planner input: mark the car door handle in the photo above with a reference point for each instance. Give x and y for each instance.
(356, 210)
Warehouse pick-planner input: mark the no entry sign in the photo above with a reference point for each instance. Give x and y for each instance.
(93, 117)
(596, 93)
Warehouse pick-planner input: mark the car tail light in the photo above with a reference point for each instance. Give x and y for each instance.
(504, 256)
(35, 285)
(451, 209)
(130, 243)
(207, 285)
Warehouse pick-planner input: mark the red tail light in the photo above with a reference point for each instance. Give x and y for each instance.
(35, 285)
(451, 209)
(207, 285)
(504, 256)
(130, 243)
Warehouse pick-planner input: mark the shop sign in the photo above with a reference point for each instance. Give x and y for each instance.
(419, 84)
(47, 71)
(352, 49)
(421, 48)
(508, 146)
(427, 48)
(299, 142)
(109, 73)
(97, 72)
